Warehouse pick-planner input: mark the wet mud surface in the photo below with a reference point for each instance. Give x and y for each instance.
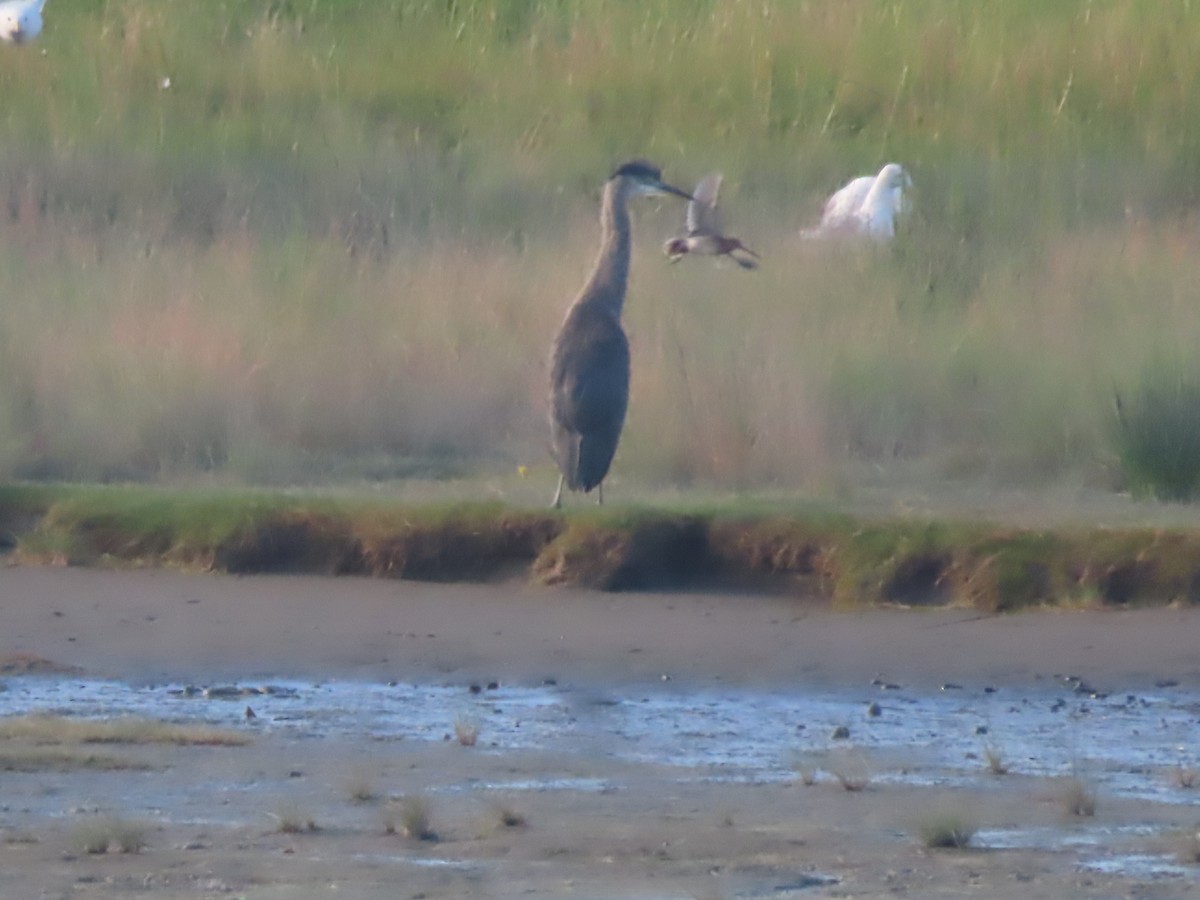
(624, 746)
(642, 765)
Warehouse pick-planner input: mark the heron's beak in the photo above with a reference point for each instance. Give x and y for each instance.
(671, 189)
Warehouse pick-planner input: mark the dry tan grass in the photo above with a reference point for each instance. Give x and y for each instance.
(292, 818)
(52, 730)
(412, 819)
(852, 770)
(945, 829)
(40, 758)
(1185, 777)
(996, 763)
(100, 835)
(232, 357)
(466, 731)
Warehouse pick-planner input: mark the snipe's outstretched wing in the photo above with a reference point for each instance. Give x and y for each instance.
(702, 210)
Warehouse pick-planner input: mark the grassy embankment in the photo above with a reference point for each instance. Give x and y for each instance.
(811, 552)
(336, 244)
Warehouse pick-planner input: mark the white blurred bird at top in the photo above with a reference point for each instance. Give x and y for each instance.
(866, 206)
(20, 20)
(704, 235)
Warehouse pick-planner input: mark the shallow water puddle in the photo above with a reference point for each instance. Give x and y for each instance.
(1128, 744)
(1147, 866)
(1122, 744)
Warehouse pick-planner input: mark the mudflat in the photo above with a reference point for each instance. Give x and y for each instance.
(158, 624)
(648, 832)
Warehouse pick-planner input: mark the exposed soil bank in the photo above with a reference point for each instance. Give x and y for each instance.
(835, 557)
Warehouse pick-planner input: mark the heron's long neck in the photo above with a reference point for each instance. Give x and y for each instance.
(606, 287)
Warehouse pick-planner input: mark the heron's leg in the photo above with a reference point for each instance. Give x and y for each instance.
(600, 494)
(557, 504)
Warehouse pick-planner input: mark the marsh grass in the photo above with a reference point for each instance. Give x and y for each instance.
(851, 769)
(336, 248)
(292, 818)
(1185, 777)
(1079, 797)
(360, 789)
(507, 816)
(39, 758)
(53, 730)
(466, 731)
(946, 829)
(1158, 434)
(996, 762)
(109, 833)
(16, 836)
(850, 560)
(412, 819)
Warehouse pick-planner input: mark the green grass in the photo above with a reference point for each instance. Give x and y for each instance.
(1158, 435)
(336, 247)
(848, 560)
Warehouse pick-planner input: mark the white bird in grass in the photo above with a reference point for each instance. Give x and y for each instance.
(866, 206)
(20, 20)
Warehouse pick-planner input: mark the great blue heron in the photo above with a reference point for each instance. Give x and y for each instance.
(20, 20)
(589, 367)
(865, 206)
(704, 235)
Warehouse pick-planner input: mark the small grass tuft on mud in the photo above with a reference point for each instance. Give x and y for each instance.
(1079, 797)
(107, 833)
(946, 830)
(292, 819)
(412, 819)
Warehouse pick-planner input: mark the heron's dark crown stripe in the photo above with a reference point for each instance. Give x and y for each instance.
(640, 169)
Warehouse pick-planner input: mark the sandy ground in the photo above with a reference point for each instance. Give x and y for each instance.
(654, 837)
